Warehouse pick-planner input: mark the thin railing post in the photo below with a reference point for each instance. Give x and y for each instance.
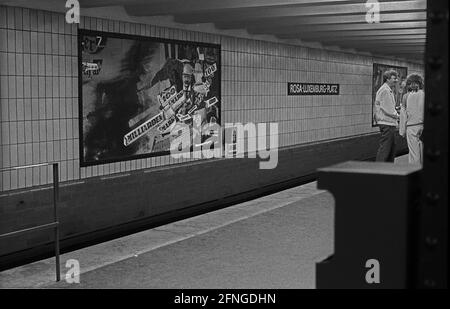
(56, 219)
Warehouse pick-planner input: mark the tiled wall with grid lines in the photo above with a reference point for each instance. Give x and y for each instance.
(39, 92)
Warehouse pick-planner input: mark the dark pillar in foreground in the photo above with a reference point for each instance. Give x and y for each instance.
(433, 225)
(375, 216)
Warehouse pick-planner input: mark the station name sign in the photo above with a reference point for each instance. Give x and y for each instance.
(312, 89)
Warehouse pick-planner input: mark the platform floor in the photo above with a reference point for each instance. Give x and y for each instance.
(271, 242)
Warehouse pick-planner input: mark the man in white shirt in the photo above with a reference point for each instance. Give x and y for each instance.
(387, 116)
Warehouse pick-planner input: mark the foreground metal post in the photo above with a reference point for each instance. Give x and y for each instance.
(432, 262)
(56, 218)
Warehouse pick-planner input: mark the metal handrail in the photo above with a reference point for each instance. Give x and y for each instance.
(52, 225)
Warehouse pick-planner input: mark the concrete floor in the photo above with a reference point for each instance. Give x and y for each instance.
(270, 242)
(276, 249)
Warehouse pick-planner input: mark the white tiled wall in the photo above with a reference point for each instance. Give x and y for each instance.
(39, 92)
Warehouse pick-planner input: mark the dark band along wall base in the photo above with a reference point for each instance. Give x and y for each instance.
(101, 207)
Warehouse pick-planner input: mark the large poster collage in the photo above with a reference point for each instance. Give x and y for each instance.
(135, 90)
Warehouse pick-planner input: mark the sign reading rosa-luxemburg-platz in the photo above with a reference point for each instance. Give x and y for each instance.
(312, 89)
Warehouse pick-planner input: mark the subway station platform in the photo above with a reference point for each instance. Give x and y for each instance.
(271, 242)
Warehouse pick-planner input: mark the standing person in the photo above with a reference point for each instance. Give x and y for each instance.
(402, 91)
(414, 118)
(403, 117)
(387, 116)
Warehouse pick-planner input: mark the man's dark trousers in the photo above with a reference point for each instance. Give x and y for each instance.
(386, 150)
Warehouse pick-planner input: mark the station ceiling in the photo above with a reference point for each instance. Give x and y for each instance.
(400, 30)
